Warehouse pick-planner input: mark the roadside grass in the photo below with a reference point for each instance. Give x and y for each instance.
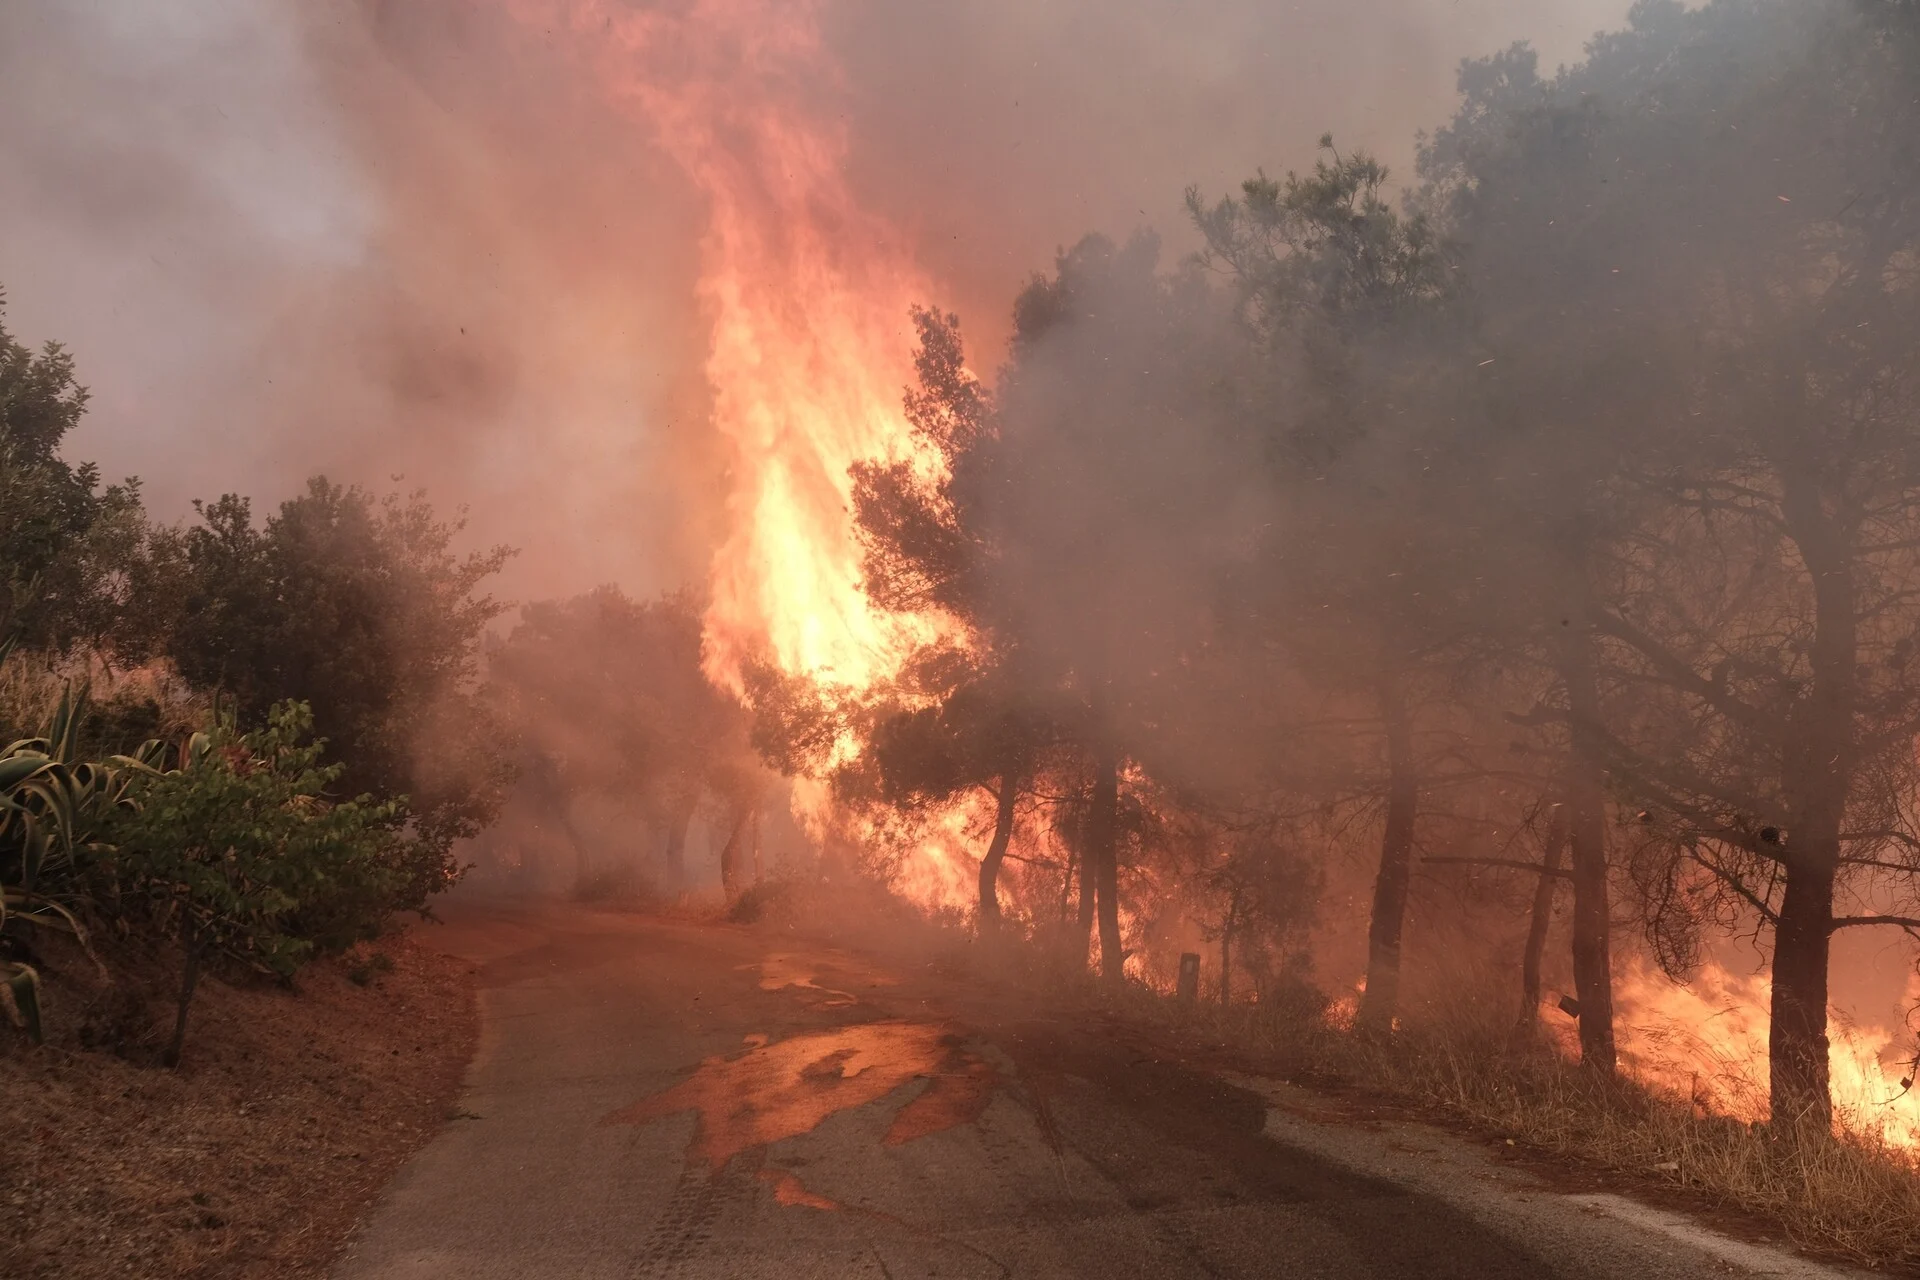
(1456, 1055)
(1852, 1195)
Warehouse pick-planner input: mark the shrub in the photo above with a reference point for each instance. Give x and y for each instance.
(52, 808)
(364, 968)
(237, 853)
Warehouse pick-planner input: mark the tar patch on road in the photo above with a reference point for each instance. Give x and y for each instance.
(789, 1087)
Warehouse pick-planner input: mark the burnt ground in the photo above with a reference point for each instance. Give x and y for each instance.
(291, 1110)
(663, 1098)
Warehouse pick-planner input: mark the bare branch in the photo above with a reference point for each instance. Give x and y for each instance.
(1513, 863)
(1909, 923)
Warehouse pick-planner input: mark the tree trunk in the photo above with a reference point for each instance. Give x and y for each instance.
(1542, 920)
(1102, 857)
(677, 823)
(1797, 1041)
(734, 852)
(1587, 839)
(189, 978)
(1068, 879)
(582, 863)
(1380, 1002)
(1085, 842)
(1817, 775)
(997, 851)
(753, 838)
(1226, 947)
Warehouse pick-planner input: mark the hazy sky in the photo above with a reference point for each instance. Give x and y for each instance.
(388, 238)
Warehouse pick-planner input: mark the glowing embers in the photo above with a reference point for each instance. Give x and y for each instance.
(788, 1088)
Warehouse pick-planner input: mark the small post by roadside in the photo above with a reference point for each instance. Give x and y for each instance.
(1189, 985)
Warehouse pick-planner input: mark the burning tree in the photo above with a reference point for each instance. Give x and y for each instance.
(1343, 298)
(960, 718)
(1696, 254)
(1577, 485)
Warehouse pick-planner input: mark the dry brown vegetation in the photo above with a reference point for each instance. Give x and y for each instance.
(256, 1156)
(1456, 1060)
(1851, 1197)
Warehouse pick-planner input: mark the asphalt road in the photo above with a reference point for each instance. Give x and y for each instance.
(656, 1099)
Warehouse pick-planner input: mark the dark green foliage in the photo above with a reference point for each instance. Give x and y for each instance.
(1327, 248)
(359, 607)
(67, 543)
(237, 850)
(237, 853)
(244, 849)
(54, 811)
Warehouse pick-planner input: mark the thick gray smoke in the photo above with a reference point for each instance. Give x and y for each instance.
(387, 239)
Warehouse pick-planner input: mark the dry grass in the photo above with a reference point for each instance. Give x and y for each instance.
(1852, 1196)
(1456, 1057)
(255, 1158)
(31, 688)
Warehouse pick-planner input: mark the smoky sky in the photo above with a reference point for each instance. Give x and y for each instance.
(404, 244)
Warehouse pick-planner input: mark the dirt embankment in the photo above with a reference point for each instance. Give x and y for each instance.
(289, 1113)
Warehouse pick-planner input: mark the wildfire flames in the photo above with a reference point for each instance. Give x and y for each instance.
(808, 297)
(807, 294)
(1706, 1042)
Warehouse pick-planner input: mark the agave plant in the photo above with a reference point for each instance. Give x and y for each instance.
(19, 981)
(51, 809)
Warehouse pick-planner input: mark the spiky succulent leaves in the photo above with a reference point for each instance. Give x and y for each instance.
(20, 998)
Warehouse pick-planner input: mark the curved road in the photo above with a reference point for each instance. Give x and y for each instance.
(664, 1099)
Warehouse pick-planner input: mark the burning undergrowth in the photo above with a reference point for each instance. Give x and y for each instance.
(1302, 603)
(1505, 566)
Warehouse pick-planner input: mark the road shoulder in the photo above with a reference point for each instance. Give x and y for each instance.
(289, 1114)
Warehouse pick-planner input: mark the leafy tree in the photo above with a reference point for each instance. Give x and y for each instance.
(1348, 300)
(66, 542)
(1115, 470)
(359, 607)
(960, 720)
(1563, 403)
(1723, 202)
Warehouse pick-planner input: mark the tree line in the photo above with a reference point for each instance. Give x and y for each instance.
(1553, 521)
(241, 742)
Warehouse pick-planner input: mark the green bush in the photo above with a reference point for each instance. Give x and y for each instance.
(238, 854)
(52, 809)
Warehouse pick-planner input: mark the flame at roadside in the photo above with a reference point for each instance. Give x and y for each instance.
(934, 865)
(1706, 1043)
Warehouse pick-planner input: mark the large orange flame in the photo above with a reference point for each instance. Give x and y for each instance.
(808, 296)
(1706, 1042)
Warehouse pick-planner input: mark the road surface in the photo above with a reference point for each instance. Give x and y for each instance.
(656, 1099)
